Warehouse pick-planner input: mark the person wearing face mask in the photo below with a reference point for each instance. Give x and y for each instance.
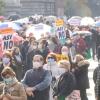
(10, 88)
(17, 62)
(43, 48)
(80, 70)
(56, 71)
(6, 62)
(64, 54)
(37, 80)
(33, 50)
(52, 66)
(65, 84)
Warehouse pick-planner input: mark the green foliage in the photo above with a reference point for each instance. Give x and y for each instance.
(77, 8)
(2, 4)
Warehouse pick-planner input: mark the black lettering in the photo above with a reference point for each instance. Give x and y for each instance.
(8, 37)
(10, 44)
(5, 45)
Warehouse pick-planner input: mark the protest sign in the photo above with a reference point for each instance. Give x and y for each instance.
(60, 31)
(6, 35)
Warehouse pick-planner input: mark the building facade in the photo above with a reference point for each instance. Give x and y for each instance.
(30, 7)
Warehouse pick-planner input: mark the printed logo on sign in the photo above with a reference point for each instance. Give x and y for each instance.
(7, 41)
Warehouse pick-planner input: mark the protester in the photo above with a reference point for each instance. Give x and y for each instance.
(96, 79)
(81, 45)
(65, 84)
(81, 74)
(11, 89)
(37, 80)
(17, 62)
(6, 62)
(33, 50)
(43, 48)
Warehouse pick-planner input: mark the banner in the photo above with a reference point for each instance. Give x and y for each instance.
(6, 36)
(7, 42)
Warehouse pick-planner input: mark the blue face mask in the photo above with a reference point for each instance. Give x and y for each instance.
(8, 81)
(51, 61)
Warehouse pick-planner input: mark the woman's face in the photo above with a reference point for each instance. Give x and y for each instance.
(37, 63)
(5, 60)
(8, 79)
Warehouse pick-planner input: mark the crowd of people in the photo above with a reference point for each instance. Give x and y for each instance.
(45, 69)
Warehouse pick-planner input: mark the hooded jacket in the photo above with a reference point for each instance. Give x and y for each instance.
(81, 75)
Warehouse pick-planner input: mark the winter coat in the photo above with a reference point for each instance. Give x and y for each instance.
(16, 90)
(18, 64)
(96, 79)
(41, 80)
(65, 85)
(81, 75)
(81, 46)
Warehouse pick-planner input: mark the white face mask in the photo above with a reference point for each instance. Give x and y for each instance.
(37, 65)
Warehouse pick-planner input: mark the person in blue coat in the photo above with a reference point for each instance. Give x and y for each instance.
(37, 80)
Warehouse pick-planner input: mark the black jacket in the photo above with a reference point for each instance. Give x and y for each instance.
(66, 84)
(81, 75)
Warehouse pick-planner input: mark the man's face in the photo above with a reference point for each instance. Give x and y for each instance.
(37, 63)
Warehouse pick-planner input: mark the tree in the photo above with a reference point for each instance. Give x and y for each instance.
(2, 4)
(77, 8)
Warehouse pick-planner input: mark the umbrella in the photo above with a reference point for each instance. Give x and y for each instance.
(85, 33)
(97, 23)
(10, 25)
(38, 29)
(87, 21)
(17, 38)
(21, 21)
(75, 20)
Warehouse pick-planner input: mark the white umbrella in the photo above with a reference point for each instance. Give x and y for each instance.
(87, 21)
(85, 33)
(75, 20)
(38, 30)
(23, 20)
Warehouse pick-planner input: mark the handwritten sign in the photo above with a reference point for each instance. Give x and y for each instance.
(60, 31)
(59, 22)
(7, 42)
(6, 35)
